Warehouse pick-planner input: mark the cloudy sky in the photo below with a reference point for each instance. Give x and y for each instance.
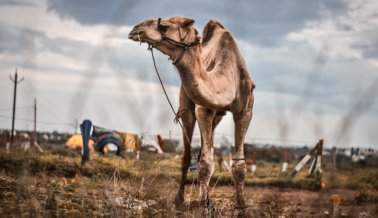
(314, 63)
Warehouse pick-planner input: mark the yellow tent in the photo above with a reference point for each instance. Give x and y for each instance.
(76, 141)
(129, 141)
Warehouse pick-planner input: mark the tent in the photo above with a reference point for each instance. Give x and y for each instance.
(130, 142)
(76, 141)
(152, 143)
(104, 137)
(108, 139)
(123, 141)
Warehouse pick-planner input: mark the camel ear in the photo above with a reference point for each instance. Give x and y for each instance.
(163, 26)
(188, 22)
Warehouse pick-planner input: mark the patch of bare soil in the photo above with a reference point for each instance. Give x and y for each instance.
(51, 185)
(287, 202)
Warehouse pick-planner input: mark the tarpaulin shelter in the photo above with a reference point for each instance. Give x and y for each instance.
(76, 141)
(130, 141)
(103, 136)
(152, 142)
(125, 142)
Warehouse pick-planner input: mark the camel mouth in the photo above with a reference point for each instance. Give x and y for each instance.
(135, 35)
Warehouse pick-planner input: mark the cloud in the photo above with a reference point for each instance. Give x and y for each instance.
(89, 13)
(17, 3)
(350, 34)
(369, 49)
(261, 22)
(28, 48)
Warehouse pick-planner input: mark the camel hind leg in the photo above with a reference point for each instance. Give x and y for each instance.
(187, 115)
(242, 121)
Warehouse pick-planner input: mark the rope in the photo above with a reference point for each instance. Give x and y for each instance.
(166, 95)
(173, 42)
(209, 202)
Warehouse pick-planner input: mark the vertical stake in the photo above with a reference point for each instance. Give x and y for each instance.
(15, 81)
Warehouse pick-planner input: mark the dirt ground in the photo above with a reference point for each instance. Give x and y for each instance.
(45, 196)
(286, 202)
(51, 185)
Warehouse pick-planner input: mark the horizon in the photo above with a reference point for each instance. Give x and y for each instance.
(259, 142)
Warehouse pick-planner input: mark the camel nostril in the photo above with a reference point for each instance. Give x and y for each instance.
(133, 33)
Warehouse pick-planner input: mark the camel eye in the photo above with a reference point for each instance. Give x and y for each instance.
(163, 28)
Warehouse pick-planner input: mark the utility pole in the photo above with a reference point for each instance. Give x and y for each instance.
(35, 122)
(35, 127)
(15, 81)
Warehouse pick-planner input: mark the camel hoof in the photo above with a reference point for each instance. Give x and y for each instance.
(208, 204)
(239, 213)
(240, 204)
(179, 200)
(240, 207)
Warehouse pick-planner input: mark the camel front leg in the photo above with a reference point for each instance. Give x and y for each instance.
(242, 121)
(205, 118)
(187, 115)
(216, 121)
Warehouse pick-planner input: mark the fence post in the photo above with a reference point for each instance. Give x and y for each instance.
(253, 166)
(85, 129)
(285, 163)
(316, 150)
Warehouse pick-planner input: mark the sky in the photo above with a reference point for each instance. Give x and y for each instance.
(314, 64)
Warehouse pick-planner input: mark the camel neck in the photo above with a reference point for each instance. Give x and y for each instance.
(197, 82)
(190, 66)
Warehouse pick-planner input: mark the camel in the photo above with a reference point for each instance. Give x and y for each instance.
(214, 80)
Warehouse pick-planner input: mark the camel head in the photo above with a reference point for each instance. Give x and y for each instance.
(169, 36)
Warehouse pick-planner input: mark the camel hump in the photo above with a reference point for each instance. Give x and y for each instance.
(209, 30)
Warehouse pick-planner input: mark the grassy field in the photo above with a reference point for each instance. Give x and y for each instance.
(51, 185)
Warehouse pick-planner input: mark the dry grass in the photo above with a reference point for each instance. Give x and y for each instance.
(51, 185)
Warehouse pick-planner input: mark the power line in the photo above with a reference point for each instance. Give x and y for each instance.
(41, 102)
(40, 122)
(17, 108)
